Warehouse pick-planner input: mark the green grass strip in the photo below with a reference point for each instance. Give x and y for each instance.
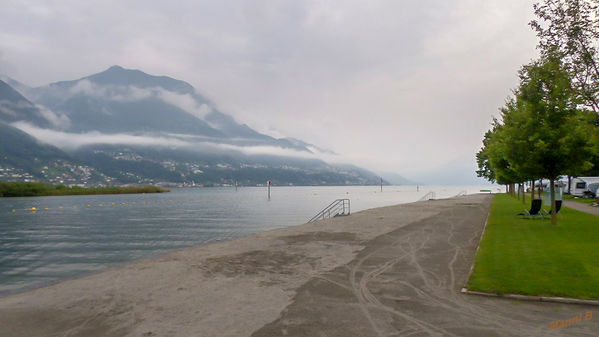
(578, 199)
(34, 189)
(530, 257)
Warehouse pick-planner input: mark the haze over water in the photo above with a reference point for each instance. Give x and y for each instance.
(48, 246)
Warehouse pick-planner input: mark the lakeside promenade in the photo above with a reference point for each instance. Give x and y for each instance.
(390, 271)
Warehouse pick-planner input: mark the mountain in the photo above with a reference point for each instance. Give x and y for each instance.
(122, 100)
(126, 126)
(154, 165)
(14, 107)
(396, 179)
(24, 158)
(18, 149)
(23, 89)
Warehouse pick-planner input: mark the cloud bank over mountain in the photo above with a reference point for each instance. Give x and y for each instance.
(393, 85)
(127, 126)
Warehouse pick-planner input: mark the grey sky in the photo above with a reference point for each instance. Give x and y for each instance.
(402, 86)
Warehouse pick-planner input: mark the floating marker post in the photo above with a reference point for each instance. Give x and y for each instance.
(381, 184)
(268, 184)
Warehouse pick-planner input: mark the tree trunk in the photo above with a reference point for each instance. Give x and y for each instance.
(540, 187)
(532, 191)
(523, 193)
(553, 215)
(518, 191)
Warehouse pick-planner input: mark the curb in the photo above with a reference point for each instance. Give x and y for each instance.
(478, 246)
(563, 300)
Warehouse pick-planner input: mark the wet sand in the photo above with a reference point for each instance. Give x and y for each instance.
(391, 271)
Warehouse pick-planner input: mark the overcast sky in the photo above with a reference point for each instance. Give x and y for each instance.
(401, 86)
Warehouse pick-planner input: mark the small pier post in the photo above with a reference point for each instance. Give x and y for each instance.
(268, 184)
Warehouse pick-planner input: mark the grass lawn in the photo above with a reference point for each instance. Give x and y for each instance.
(581, 200)
(531, 257)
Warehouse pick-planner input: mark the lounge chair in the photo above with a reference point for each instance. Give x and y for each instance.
(535, 209)
(558, 206)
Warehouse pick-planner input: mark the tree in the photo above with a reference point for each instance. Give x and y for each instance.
(551, 126)
(518, 148)
(492, 161)
(482, 158)
(570, 28)
(546, 128)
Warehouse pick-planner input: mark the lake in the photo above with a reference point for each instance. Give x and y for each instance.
(70, 236)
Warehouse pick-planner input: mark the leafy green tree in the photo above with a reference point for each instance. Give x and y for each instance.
(482, 158)
(549, 132)
(492, 161)
(570, 28)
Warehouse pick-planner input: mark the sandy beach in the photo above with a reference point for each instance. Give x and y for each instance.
(391, 271)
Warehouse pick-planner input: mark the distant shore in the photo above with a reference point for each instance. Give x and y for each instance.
(31, 189)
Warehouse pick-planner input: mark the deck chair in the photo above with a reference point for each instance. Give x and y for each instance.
(535, 209)
(558, 206)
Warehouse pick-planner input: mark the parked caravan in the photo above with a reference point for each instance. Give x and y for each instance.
(584, 187)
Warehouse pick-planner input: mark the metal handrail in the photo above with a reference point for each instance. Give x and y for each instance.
(339, 207)
(429, 196)
(462, 193)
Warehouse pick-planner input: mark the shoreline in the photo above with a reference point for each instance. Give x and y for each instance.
(36, 189)
(158, 255)
(393, 268)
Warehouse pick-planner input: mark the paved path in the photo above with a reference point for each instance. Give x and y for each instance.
(587, 208)
(406, 283)
(391, 271)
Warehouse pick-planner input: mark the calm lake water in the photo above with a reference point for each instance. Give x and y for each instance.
(82, 234)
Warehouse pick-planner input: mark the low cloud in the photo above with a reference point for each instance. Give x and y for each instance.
(10, 106)
(121, 93)
(59, 121)
(279, 152)
(185, 102)
(71, 141)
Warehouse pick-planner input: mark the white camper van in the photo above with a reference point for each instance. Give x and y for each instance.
(584, 186)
